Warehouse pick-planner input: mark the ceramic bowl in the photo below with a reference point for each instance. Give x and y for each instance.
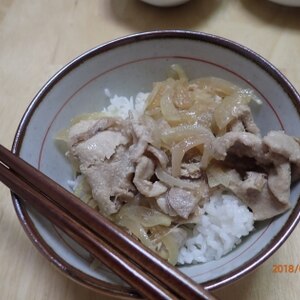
(287, 2)
(165, 3)
(127, 66)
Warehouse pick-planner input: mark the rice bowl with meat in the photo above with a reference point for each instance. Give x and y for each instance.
(183, 168)
(125, 67)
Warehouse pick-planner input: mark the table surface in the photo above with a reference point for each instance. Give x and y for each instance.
(38, 37)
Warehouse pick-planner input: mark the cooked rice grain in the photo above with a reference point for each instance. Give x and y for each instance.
(224, 221)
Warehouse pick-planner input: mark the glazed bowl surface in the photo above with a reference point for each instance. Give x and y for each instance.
(127, 66)
(292, 3)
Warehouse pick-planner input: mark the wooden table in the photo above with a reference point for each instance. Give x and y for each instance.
(38, 37)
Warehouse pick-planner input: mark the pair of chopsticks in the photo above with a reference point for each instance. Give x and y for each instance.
(145, 271)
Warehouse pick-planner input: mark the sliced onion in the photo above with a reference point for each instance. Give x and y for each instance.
(88, 116)
(171, 181)
(218, 175)
(63, 135)
(179, 133)
(145, 216)
(225, 112)
(153, 100)
(136, 229)
(168, 109)
(137, 219)
(154, 113)
(203, 101)
(206, 156)
(178, 151)
(173, 240)
(216, 85)
(182, 97)
(172, 246)
(180, 74)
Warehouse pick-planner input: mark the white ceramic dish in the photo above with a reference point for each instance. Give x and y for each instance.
(127, 66)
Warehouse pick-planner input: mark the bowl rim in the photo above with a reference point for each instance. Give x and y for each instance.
(113, 289)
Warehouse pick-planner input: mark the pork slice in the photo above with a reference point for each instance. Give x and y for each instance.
(255, 193)
(182, 202)
(238, 143)
(143, 173)
(165, 206)
(137, 150)
(243, 113)
(141, 139)
(78, 132)
(99, 147)
(143, 128)
(85, 129)
(111, 181)
(255, 181)
(279, 181)
(236, 126)
(280, 145)
(274, 153)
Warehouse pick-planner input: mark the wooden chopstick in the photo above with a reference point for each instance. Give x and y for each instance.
(132, 253)
(97, 247)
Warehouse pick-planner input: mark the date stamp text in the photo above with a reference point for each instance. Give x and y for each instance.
(288, 268)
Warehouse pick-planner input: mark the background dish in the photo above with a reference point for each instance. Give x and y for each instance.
(165, 3)
(79, 87)
(287, 2)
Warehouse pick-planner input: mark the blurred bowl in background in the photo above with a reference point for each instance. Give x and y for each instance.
(165, 3)
(287, 2)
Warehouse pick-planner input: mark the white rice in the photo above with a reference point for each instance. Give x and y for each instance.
(120, 105)
(225, 219)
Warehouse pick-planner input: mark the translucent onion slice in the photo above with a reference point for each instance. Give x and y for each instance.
(172, 246)
(182, 99)
(154, 113)
(173, 239)
(216, 85)
(219, 175)
(153, 100)
(168, 109)
(88, 116)
(178, 71)
(225, 112)
(203, 100)
(136, 229)
(178, 151)
(206, 156)
(176, 134)
(138, 219)
(82, 189)
(145, 216)
(171, 181)
(216, 176)
(63, 135)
